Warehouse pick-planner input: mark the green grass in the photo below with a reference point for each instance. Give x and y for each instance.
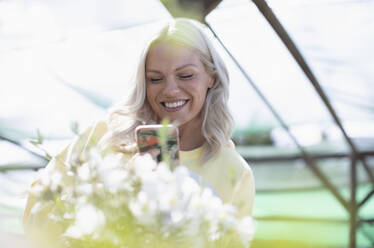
(308, 204)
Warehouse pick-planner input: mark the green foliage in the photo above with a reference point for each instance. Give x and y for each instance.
(38, 144)
(74, 126)
(163, 135)
(169, 143)
(193, 9)
(252, 137)
(39, 138)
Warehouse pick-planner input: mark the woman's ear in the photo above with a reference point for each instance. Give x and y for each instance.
(211, 82)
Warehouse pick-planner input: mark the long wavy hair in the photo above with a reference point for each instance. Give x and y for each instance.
(217, 123)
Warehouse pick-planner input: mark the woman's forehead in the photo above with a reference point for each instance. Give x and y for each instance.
(169, 55)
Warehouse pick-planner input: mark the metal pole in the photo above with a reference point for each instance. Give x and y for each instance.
(369, 221)
(309, 161)
(291, 46)
(303, 220)
(366, 198)
(317, 156)
(369, 236)
(353, 204)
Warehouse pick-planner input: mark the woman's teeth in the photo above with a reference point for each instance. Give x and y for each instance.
(174, 104)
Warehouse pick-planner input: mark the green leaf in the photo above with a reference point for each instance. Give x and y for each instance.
(40, 137)
(74, 126)
(162, 135)
(35, 143)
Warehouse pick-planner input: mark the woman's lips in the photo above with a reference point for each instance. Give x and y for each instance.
(174, 105)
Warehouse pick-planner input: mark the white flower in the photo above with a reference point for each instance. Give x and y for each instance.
(210, 205)
(85, 189)
(177, 202)
(83, 172)
(227, 217)
(144, 209)
(111, 161)
(246, 229)
(108, 169)
(51, 178)
(143, 165)
(88, 219)
(164, 174)
(38, 190)
(114, 180)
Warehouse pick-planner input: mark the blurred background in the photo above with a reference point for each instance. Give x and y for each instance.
(305, 125)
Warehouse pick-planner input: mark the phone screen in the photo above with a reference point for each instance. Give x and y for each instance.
(148, 141)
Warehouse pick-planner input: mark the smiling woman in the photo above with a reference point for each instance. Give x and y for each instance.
(182, 78)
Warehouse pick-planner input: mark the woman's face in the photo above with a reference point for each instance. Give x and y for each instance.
(177, 83)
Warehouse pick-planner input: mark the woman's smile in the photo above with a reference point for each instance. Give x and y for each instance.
(173, 106)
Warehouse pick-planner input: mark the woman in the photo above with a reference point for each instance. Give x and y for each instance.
(180, 77)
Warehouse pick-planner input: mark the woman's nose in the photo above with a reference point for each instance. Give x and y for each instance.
(171, 88)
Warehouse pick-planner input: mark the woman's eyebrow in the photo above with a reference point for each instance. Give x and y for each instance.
(151, 70)
(179, 68)
(186, 65)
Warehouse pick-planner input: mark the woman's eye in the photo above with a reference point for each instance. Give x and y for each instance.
(187, 76)
(155, 80)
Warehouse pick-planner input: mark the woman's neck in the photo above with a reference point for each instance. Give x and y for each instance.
(190, 136)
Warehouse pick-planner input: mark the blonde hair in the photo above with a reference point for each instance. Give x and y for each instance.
(217, 123)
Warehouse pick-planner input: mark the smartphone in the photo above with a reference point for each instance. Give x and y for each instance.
(150, 139)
